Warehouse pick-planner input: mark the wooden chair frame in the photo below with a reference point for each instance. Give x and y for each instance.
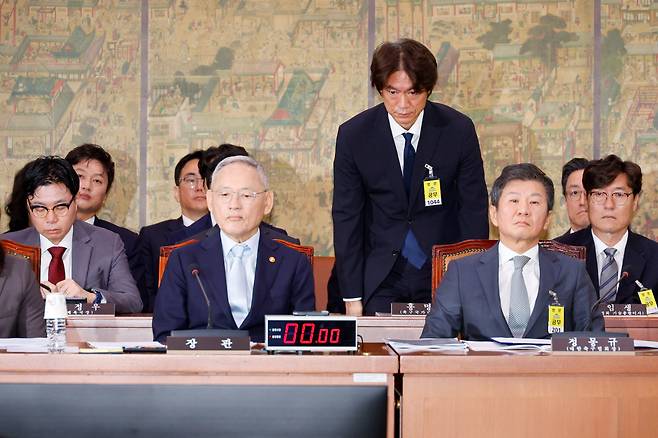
(31, 253)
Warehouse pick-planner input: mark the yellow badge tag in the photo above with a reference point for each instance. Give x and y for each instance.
(555, 319)
(647, 298)
(432, 189)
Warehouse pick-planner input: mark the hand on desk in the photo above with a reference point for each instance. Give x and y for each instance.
(70, 289)
(354, 308)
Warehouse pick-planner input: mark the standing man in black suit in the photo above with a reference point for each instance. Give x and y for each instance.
(613, 191)
(95, 168)
(408, 174)
(189, 191)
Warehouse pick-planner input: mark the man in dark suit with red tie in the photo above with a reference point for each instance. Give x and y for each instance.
(408, 174)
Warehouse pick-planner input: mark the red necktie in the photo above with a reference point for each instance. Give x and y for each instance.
(56, 267)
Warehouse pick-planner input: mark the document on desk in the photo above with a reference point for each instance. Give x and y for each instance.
(29, 345)
(426, 344)
(653, 345)
(510, 344)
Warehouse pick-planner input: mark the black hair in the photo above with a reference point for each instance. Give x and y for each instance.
(16, 207)
(570, 167)
(213, 155)
(195, 155)
(601, 173)
(90, 151)
(407, 55)
(48, 170)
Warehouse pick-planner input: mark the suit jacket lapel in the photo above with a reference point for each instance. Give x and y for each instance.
(488, 274)
(590, 262)
(549, 272)
(82, 253)
(634, 263)
(383, 139)
(212, 265)
(267, 267)
(2, 283)
(430, 132)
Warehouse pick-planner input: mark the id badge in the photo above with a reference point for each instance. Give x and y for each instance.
(432, 190)
(555, 319)
(647, 298)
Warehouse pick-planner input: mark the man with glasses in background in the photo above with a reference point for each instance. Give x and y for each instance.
(613, 190)
(77, 259)
(246, 274)
(190, 193)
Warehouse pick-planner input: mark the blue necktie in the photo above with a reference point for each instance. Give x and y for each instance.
(609, 275)
(411, 249)
(236, 284)
(409, 158)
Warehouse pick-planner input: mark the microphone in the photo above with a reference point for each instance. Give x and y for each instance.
(194, 270)
(612, 291)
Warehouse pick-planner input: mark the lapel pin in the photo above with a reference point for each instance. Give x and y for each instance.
(272, 259)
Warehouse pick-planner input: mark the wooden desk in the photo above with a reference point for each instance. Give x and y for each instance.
(477, 395)
(638, 327)
(375, 366)
(138, 328)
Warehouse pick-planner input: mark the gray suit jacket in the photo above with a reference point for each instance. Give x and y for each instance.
(21, 305)
(99, 261)
(468, 301)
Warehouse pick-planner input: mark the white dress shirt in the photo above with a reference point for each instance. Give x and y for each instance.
(397, 132)
(599, 247)
(45, 244)
(506, 269)
(249, 260)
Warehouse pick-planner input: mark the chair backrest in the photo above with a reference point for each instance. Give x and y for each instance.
(306, 250)
(31, 253)
(577, 252)
(322, 266)
(443, 254)
(165, 252)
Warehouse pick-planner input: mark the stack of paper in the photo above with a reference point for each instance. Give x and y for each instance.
(428, 344)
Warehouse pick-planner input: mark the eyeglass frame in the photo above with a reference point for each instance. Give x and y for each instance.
(190, 184)
(250, 198)
(575, 194)
(619, 198)
(53, 209)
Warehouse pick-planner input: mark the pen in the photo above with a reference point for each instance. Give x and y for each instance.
(45, 287)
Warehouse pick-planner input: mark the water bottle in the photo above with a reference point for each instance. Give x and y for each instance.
(55, 316)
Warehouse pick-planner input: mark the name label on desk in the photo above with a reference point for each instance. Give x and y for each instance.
(623, 309)
(206, 344)
(86, 309)
(583, 344)
(410, 309)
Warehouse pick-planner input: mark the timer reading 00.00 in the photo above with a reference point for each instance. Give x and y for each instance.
(292, 334)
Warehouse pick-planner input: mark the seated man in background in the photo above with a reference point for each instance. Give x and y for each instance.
(505, 291)
(206, 162)
(95, 169)
(245, 273)
(77, 259)
(190, 193)
(613, 191)
(209, 160)
(21, 306)
(574, 194)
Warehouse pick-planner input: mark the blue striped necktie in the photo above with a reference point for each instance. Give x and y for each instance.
(609, 275)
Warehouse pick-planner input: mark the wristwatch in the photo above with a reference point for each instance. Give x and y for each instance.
(99, 295)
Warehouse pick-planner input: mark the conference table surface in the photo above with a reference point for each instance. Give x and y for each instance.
(372, 329)
(479, 394)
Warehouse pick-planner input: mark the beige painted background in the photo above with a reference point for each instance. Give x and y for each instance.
(151, 80)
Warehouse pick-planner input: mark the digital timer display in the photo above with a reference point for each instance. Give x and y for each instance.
(310, 333)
